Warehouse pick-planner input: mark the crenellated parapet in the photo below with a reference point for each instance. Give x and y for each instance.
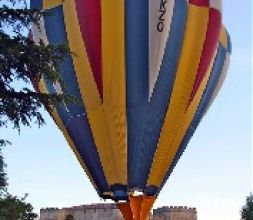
(175, 213)
(110, 212)
(174, 209)
(83, 212)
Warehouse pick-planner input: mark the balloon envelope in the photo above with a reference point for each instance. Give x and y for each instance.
(146, 72)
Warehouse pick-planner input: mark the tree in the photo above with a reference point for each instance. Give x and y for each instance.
(23, 63)
(15, 208)
(247, 209)
(3, 181)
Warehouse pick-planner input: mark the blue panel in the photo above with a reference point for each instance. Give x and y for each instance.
(80, 132)
(63, 113)
(38, 4)
(146, 139)
(213, 80)
(229, 49)
(137, 50)
(137, 73)
(56, 34)
(60, 107)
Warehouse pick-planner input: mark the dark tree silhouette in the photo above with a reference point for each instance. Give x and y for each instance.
(247, 210)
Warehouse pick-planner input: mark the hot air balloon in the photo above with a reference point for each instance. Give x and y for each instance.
(146, 72)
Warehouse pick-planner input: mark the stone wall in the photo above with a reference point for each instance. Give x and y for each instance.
(84, 212)
(110, 212)
(174, 213)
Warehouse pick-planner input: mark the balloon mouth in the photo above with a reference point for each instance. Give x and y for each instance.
(120, 192)
(138, 207)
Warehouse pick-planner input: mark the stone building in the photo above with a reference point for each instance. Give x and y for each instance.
(110, 212)
(84, 212)
(174, 213)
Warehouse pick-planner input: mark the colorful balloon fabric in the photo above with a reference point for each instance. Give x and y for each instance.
(146, 72)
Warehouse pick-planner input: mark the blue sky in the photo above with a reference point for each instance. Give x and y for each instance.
(213, 175)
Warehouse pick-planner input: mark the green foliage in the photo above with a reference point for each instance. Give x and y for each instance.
(3, 178)
(22, 64)
(247, 210)
(15, 208)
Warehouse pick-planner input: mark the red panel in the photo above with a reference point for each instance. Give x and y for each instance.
(89, 15)
(210, 45)
(199, 2)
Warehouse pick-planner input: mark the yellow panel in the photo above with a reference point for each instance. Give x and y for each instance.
(224, 37)
(88, 88)
(47, 4)
(188, 118)
(102, 140)
(54, 114)
(196, 27)
(114, 89)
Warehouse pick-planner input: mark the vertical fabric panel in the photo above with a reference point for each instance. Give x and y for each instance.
(114, 88)
(135, 203)
(84, 74)
(212, 83)
(192, 48)
(38, 4)
(224, 37)
(220, 82)
(125, 210)
(210, 45)
(39, 33)
(146, 206)
(160, 17)
(67, 72)
(89, 16)
(226, 43)
(47, 4)
(79, 129)
(137, 45)
(200, 2)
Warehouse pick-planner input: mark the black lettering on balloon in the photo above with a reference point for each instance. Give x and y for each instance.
(160, 26)
(162, 11)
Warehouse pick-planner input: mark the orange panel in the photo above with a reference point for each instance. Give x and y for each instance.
(146, 206)
(136, 204)
(126, 210)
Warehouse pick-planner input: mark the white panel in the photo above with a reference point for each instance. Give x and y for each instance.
(217, 4)
(58, 88)
(39, 32)
(160, 16)
(220, 82)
